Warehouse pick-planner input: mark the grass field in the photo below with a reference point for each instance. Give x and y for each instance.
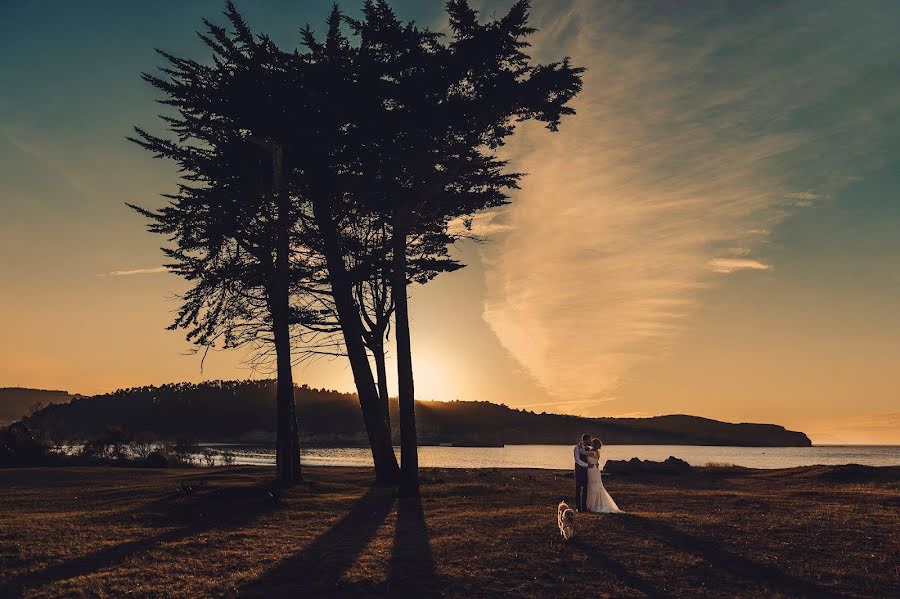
(719, 532)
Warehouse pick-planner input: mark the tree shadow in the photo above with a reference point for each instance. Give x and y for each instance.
(316, 571)
(617, 569)
(211, 507)
(412, 570)
(219, 509)
(723, 559)
(86, 564)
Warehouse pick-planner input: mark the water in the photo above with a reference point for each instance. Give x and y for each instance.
(560, 456)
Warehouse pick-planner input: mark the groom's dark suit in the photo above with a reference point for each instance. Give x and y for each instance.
(581, 478)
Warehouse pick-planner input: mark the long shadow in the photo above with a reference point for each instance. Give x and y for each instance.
(220, 509)
(629, 578)
(412, 563)
(316, 570)
(86, 564)
(720, 557)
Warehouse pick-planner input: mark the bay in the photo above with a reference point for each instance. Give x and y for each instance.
(560, 456)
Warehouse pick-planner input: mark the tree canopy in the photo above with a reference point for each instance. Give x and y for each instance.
(318, 183)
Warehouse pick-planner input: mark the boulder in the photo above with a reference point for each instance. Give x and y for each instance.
(671, 465)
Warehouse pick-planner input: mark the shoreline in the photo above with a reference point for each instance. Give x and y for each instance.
(558, 456)
(890, 472)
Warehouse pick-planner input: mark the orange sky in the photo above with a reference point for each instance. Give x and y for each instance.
(714, 233)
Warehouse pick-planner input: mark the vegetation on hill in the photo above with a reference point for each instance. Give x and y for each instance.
(223, 411)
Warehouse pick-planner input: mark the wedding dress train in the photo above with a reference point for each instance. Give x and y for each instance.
(598, 500)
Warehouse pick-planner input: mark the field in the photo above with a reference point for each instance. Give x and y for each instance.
(718, 532)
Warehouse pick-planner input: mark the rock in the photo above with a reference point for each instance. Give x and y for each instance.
(671, 465)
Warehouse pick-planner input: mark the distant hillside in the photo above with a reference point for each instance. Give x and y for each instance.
(222, 411)
(16, 402)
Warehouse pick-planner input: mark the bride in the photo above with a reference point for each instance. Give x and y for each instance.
(598, 500)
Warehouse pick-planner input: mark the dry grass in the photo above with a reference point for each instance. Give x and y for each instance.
(720, 532)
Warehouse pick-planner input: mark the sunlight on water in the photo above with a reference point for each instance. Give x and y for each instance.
(560, 456)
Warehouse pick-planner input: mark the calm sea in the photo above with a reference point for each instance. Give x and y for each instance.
(560, 456)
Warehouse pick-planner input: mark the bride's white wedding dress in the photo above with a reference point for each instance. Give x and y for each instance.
(598, 500)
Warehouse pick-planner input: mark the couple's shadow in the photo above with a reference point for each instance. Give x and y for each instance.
(318, 568)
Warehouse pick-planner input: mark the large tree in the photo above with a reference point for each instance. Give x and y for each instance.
(322, 181)
(231, 225)
(437, 113)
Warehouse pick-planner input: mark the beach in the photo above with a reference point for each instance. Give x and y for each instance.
(109, 532)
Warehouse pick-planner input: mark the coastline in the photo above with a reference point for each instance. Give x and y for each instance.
(559, 456)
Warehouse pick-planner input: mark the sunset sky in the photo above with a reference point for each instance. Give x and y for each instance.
(716, 232)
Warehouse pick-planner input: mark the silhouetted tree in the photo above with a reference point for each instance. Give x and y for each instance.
(231, 221)
(112, 444)
(21, 444)
(143, 444)
(438, 112)
(322, 181)
(337, 179)
(328, 182)
(427, 257)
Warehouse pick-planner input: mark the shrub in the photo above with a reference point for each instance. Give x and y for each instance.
(21, 445)
(143, 445)
(208, 456)
(160, 458)
(228, 457)
(112, 444)
(185, 449)
(719, 465)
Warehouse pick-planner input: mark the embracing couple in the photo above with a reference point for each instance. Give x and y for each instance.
(589, 492)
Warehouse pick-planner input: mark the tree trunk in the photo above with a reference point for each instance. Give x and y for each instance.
(287, 442)
(381, 372)
(409, 456)
(386, 469)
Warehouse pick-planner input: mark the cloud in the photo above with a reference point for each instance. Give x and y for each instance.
(802, 199)
(803, 195)
(134, 271)
(683, 150)
(730, 265)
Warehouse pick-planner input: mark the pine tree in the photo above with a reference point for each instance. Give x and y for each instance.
(437, 113)
(231, 223)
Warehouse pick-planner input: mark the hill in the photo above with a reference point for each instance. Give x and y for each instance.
(224, 411)
(16, 402)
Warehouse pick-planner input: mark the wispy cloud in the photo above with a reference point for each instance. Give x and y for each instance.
(134, 271)
(730, 265)
(680, 154)
(802, 199)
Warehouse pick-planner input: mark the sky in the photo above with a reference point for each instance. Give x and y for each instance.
(714, 233)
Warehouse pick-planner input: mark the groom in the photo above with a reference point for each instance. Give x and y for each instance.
(581, 477)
